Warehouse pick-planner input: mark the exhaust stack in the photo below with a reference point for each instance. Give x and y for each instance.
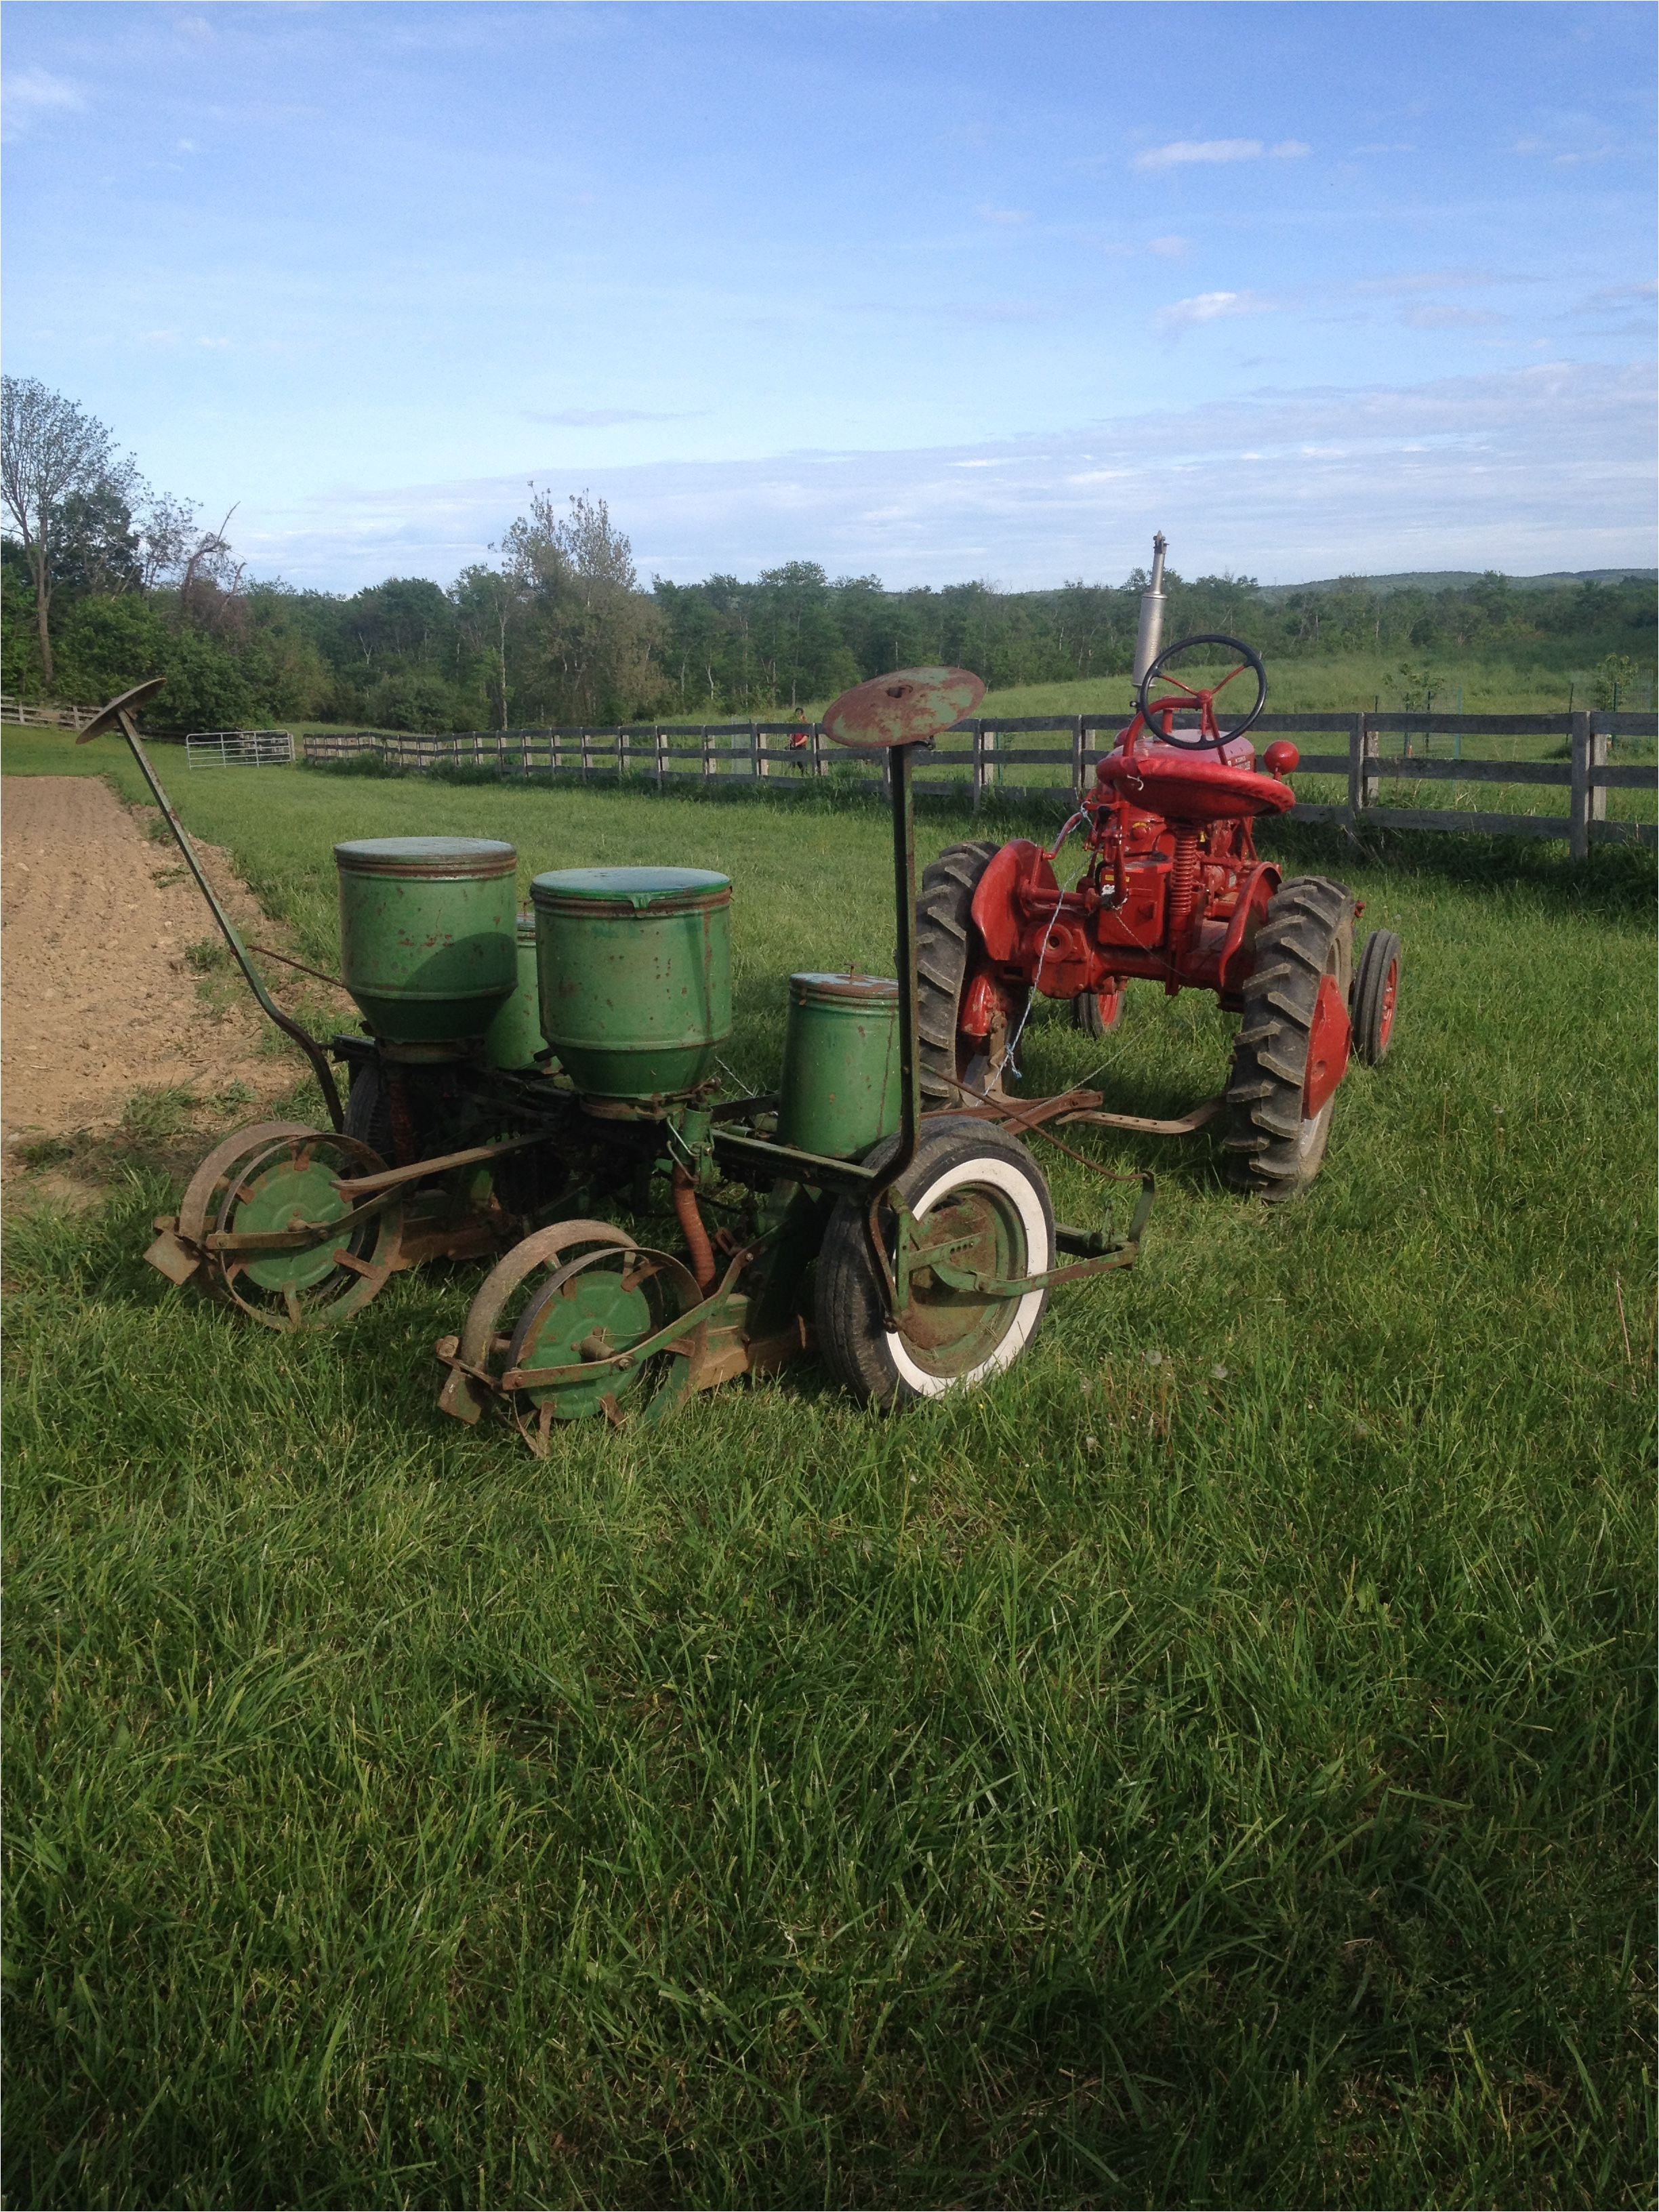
(1149, 638)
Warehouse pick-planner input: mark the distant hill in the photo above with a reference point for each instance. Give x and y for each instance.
(1459, 579)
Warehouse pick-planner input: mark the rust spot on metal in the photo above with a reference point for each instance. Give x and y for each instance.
(909, 706)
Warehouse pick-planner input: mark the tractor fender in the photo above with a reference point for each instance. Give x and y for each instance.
(1019, 865)
(1237, 955)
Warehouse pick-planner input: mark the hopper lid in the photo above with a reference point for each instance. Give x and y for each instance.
(847, 985)
(426, 856)
(633, 887)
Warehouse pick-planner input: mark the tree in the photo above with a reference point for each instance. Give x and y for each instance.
(487, 606)
(591, 635)
(51, 452)
(96, 548)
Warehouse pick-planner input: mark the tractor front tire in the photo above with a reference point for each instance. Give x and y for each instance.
(1375, 997)
(1274, 1150)
(1097, 1014)
(997, 1193)
(952, 1066)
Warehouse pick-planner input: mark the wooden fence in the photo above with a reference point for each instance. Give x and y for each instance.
(1369, 752)
(44, 718)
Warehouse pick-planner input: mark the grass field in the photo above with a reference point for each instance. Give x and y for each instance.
(1349, 684)
(1211, 1765)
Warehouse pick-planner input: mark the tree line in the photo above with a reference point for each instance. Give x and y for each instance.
(106, 582)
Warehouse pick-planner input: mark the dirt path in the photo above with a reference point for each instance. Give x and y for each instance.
(99, 999)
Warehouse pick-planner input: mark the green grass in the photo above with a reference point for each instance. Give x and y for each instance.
(1211, 1765)
(1347, 684)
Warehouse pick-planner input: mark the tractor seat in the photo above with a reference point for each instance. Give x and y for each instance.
(1189, 787)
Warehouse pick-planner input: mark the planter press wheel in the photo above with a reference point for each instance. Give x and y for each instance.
(603, 1303)
(949, 958)
(995, 1194)
(1185, 696)
(281, 1176)
(506, 1328)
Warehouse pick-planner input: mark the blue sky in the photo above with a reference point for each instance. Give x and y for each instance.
(927, 291)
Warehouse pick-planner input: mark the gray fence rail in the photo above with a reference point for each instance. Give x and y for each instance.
(988, 755)
(44, 717)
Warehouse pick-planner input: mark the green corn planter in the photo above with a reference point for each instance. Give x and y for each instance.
(515, 1038)
(840, 1090)
(427, 940)
(636, 969)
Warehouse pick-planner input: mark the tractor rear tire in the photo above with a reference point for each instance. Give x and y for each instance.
(994, 1182)
(1274, 1150)
(1375, 997)
(945, 940)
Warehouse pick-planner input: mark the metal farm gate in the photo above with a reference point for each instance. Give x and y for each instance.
(239, 748)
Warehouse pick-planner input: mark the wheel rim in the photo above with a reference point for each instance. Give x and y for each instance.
(952, 1337)
(288, 1183)
(1385, 1017)
(982, 1063)
(604, 1303)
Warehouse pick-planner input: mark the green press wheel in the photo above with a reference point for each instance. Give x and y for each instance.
(595, 1306)
(280, 1175)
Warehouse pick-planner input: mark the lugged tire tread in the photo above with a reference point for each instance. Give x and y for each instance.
(943, 923)
(1307, 918)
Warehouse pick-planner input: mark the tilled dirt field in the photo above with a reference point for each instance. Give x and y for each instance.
(99, 1000)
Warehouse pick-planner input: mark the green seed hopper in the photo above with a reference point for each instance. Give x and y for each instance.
(518, 1078)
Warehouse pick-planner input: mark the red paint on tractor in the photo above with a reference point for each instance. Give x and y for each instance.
(1328, 1042)
(1390, 992)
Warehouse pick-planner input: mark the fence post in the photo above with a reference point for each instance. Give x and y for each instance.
(979, 763)
(1362, 771)
(707, 765)
(756, 766)
(1585, 811)
(1077, 763)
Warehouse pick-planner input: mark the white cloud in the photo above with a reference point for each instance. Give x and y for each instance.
(1210, 307)
(1526, 470)
(1560, 157)
(1394, 149)
(1170, 248)
(1438, 317)
(1181, 150)
(28, 94)
(1290, 149)
(987, 214)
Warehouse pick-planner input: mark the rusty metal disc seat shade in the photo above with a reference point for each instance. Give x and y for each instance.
(635, 967)
(429, 943)
(909, 706)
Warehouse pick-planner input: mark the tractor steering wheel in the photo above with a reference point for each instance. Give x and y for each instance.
(1183, 697)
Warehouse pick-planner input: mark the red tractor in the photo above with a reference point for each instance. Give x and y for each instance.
(1173, 891)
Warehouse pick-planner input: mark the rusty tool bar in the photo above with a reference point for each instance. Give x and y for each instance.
(440, 1164)
(118, 715)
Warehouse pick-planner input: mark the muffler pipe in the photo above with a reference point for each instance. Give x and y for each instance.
(1149, 638)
